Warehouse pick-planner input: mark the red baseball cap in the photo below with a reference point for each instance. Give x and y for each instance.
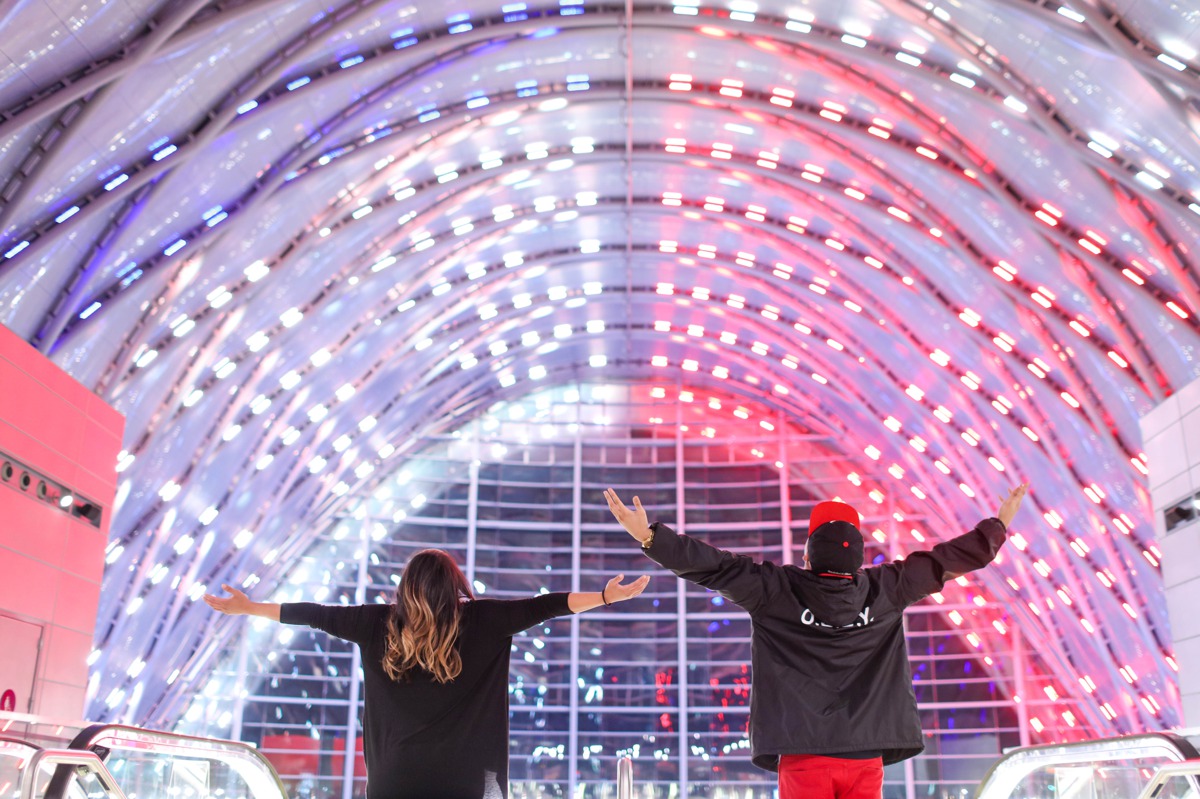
(832, 511)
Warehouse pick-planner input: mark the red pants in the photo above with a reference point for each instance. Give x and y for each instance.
(817, 777)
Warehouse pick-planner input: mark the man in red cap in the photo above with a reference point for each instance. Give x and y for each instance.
(832, 700)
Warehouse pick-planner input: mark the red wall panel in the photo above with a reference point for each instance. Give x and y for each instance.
(52, 562)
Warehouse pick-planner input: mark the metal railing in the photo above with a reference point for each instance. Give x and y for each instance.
(625, 778)
(43, 731)
(69, 765)
(36, 762)
(1179, 780)
(1121, 766)
(191, 758)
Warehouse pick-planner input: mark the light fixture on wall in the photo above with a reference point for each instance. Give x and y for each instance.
(28, 480)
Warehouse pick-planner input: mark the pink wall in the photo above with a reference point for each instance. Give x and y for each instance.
(51, 562)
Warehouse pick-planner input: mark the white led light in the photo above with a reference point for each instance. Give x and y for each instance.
(1015, 104)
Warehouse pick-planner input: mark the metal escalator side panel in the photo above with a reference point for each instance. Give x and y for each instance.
(1150, 749)
(247, 762)
(67, 765)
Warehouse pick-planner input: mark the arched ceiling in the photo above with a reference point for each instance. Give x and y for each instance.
(288, 239)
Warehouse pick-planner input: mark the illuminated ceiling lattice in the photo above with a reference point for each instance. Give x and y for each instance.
(287, 240)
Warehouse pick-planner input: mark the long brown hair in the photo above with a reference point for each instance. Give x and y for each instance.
(423, 628)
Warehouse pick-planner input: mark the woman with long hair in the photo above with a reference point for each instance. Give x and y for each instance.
(435, 666)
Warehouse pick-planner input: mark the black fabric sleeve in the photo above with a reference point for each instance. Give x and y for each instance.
(923, 573)
(509, 616)
(348, 622)
(736, 577)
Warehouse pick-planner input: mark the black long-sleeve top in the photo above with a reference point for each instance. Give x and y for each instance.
(830, 668)
(422, 739)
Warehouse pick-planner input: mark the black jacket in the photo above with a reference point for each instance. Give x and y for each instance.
(830, 668)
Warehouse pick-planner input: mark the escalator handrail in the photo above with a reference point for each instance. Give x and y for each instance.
(248, 762)
(13, 745)
(1176, 745)
(65, 761)
(1188, 768)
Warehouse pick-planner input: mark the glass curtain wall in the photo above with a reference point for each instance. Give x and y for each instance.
(516, 498)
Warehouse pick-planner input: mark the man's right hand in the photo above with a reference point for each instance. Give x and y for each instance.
(634, 521)
(1008, 508)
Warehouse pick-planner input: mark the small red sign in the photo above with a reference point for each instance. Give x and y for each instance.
(8, 700)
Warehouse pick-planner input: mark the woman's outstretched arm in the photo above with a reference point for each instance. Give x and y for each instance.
(613, 592)
(238, 604)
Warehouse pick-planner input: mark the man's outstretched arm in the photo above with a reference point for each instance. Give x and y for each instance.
(925, 572)
(737, 577)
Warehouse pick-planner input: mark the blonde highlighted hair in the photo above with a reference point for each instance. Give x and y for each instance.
(423, 628)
